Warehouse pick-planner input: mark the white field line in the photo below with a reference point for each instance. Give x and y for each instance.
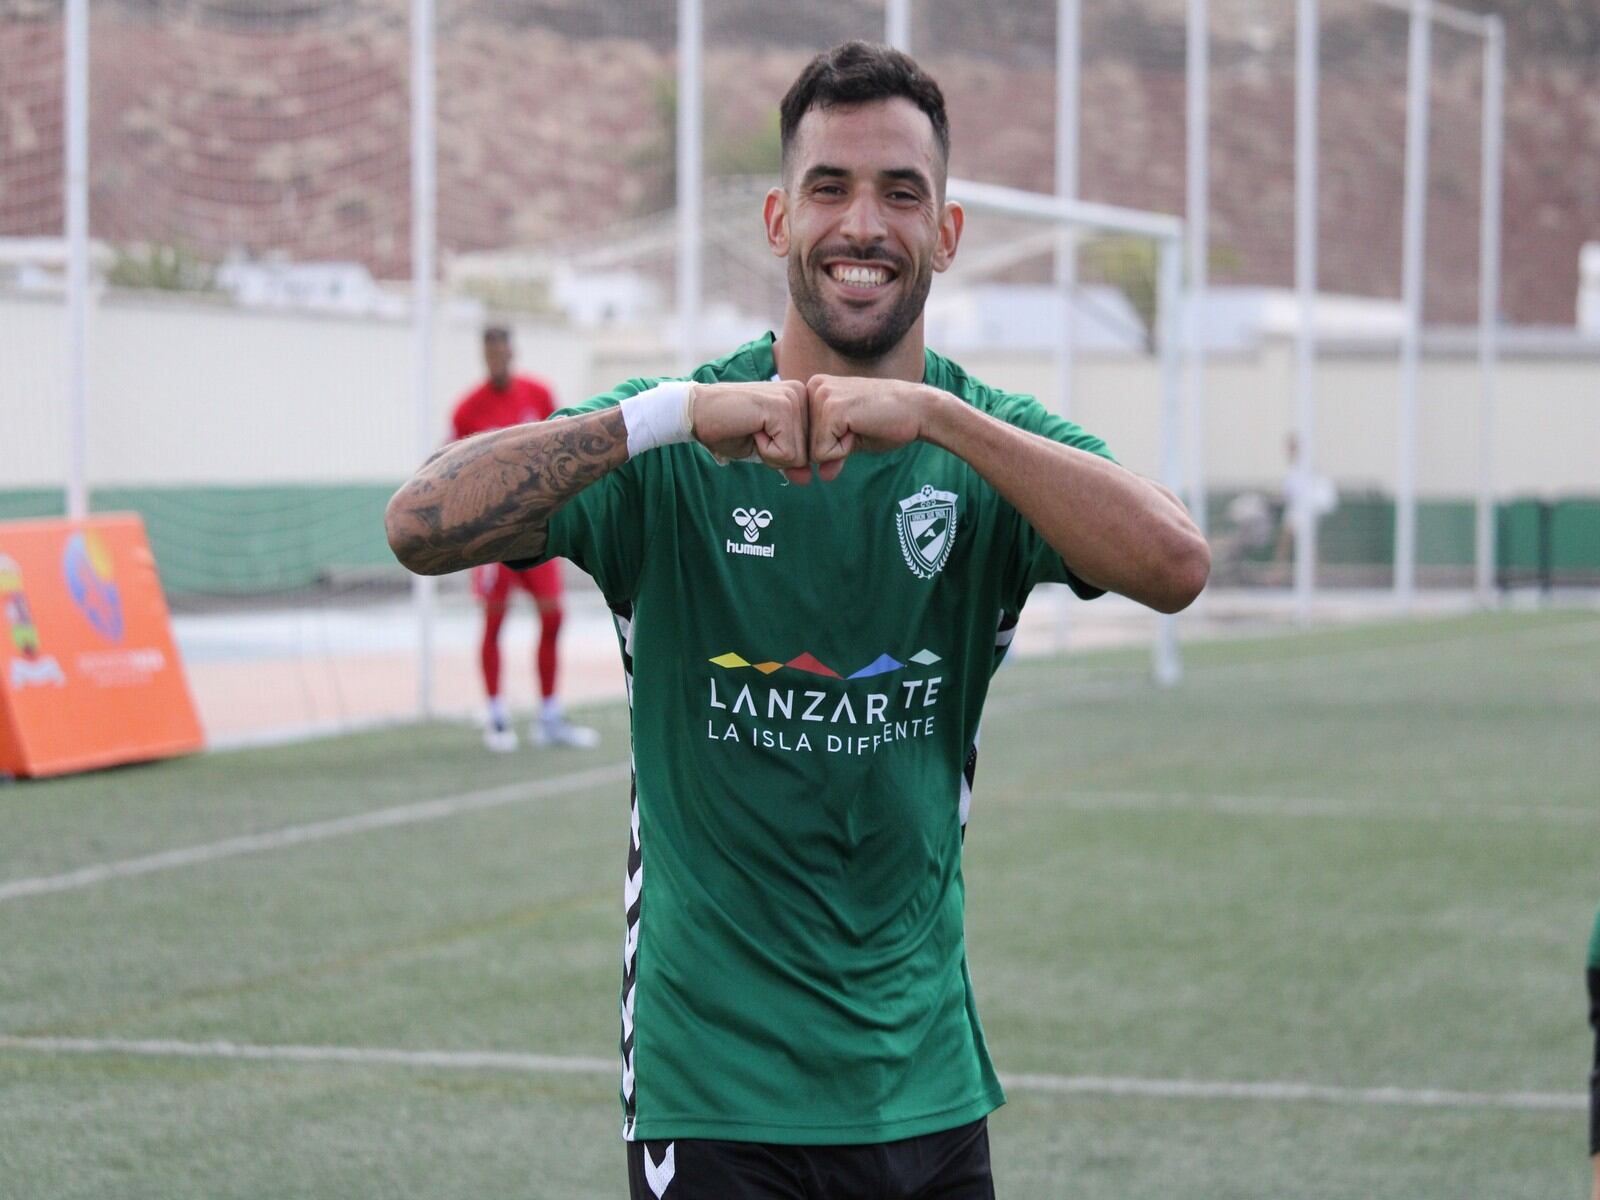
(460, 1060)
(1067, 692)
(1198, 1089)
(1324, 807)
(432, 810)
(316, 831)
(476, 1060)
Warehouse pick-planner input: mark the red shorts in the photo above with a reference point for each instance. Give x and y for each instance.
(492, 582)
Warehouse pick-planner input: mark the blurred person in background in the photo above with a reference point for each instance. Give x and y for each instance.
(1303, 488)
(501, 401)
(1246, 537)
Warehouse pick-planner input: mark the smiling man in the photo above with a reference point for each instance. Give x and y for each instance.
(816, 550)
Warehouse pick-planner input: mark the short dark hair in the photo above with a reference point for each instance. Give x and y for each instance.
(856, 73)
(497, 333)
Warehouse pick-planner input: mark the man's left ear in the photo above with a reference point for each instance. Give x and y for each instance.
(951, 223)
(775, 216)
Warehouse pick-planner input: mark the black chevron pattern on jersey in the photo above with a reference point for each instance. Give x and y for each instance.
(1005, 631)
(633, 893)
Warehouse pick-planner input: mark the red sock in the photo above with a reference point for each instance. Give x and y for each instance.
(494, 616)
(549, 627)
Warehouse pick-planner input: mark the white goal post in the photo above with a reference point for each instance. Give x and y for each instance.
(1167, 232)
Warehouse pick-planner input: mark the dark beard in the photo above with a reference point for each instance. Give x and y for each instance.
(870, 345)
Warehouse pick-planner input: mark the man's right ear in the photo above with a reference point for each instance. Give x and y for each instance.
(775, 215)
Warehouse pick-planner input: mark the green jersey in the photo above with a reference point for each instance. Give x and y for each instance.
(806, 670)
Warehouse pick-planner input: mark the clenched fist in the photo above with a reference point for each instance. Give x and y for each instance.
(790, 425)
(849, 414)
(767, 420)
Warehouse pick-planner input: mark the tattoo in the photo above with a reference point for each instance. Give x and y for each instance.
(490, 498)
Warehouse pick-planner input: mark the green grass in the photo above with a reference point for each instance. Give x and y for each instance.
(1357, 858)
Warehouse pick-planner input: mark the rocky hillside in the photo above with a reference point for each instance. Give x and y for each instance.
(281, 125)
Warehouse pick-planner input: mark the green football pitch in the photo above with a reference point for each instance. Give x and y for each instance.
(1311, 924)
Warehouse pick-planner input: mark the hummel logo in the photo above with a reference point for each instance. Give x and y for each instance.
(752, 521)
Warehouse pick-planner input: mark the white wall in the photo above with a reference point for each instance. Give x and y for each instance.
(182, 392)
(1548, 414)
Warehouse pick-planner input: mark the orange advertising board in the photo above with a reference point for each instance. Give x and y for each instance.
(89, 673)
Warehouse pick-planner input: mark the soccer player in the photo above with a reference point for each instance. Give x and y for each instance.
(501, 401)
(816, 549)
(1301, 490)
(1593, 977)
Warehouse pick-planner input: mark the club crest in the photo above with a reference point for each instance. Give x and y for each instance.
(927, 525)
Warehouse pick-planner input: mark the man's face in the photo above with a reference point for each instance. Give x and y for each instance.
(497, 358)
(863, 223)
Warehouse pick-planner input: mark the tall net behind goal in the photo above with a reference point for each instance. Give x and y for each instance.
(248, 391)
(32, 258)
(1335, 477)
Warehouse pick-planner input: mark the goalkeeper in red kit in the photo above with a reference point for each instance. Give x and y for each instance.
(503, 400)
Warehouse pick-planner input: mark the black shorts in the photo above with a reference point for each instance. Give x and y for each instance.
(950, 1165)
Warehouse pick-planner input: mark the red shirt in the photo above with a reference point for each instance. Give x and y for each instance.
(523, 400)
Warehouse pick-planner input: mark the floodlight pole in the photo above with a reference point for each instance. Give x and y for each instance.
(76, 104)
(1494, 65)
(1412, 281)
(1169, 283)
(690, 202)
(1303, 513)
(1069, 64)
(1197, 226)
(897, 24)
(424, 246)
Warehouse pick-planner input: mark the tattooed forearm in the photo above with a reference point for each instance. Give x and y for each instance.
(489, 498)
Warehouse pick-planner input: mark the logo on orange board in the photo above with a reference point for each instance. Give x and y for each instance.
(31, 667)
(91, 580)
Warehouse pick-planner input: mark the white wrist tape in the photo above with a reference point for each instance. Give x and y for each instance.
(659, 417)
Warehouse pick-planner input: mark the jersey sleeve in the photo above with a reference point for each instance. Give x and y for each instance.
(602, 528)
(1032, 561)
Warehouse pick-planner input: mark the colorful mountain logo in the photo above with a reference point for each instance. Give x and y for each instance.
(881, 665)
(808, 662)
(812, 665)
